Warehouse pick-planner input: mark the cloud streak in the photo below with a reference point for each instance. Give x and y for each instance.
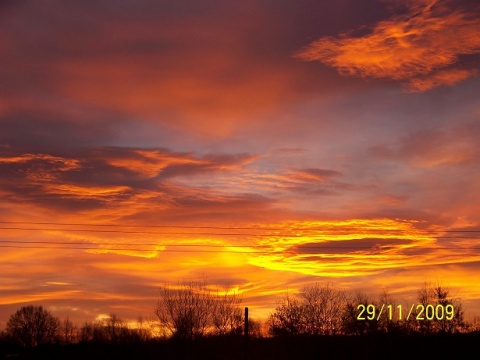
(421, 48)
(433, 148)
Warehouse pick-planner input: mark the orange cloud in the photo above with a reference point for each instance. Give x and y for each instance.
(421, 48)
(444, 77)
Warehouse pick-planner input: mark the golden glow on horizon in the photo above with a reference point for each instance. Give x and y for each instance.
(319, 248)
(249, 257)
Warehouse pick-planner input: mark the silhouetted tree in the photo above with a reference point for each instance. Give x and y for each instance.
(439, 296)
(32, 325)
(111, 330)
(254, 328)
(87, 332)
(351, 325)
(143, 329)
(474, 324)
(317, 310)
(287, 318)
(186, 310)
(227, 316)
(114, 328)
(95, 332)
(68, 332)
(323, 307)
(191, 310)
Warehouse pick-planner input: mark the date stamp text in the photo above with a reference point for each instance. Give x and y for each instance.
(420, 312)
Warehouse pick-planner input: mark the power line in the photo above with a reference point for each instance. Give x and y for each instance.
(138, 226)
(143, 232)
(227, 227)
(44, 242)
(344, 232)
(131, 247)
(310, 232)
(122, 244)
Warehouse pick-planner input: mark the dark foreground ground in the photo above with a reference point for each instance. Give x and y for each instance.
(325, 347)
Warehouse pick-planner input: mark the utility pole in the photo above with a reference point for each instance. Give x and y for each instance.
(245, 333)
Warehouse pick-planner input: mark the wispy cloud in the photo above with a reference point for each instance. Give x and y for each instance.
(432, 148)
(93, 178)
(421, 48)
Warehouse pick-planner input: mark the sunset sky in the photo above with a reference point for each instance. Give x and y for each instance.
(263, 145)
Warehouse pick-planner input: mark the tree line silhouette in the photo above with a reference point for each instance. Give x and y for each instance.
(326, 310)
(192, 312)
